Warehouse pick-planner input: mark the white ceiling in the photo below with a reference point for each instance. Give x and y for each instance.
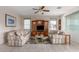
(27, 10)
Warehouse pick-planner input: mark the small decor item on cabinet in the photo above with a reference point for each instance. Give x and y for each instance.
(10, 21)
(59, 24)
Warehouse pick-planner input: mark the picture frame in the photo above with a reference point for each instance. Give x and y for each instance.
(10, 21)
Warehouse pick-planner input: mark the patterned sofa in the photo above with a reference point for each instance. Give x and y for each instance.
(18, 37)
(57, 37)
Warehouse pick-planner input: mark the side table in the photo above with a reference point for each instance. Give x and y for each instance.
(67, 38)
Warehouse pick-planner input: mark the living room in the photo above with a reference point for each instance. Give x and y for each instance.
(46, 26)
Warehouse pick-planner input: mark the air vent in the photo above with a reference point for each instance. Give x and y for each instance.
(59, 7)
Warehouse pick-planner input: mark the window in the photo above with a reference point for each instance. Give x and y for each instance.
(26, 23)
(52, 24)
(72, 22)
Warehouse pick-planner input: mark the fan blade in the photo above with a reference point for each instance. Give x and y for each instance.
(36, 11)
(46, 10)
(42, 13)
(42, 7)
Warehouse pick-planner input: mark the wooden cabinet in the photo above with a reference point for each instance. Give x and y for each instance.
(36, 23)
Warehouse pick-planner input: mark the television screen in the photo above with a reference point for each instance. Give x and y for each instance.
(40, 28)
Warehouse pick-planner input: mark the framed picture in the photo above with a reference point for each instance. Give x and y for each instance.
(10, 21)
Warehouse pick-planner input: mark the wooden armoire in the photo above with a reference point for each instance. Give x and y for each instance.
(36, 23)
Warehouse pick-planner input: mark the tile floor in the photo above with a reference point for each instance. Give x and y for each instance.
(41, 48)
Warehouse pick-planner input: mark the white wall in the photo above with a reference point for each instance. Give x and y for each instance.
(3, 29)
(74, 34)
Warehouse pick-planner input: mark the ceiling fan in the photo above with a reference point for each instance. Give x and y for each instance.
(41, 9)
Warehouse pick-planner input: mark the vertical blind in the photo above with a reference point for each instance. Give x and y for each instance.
(27, 23)
(72, 22)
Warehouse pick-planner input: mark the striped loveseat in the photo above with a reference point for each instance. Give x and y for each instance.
(18, 37)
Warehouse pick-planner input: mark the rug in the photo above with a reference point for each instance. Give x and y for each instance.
(38, 41)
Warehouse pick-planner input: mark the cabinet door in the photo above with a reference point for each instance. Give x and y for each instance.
(46, 26)
(46, 33)
(34, 33)
(33, 25)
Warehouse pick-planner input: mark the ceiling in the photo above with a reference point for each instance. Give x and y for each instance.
(27, 10)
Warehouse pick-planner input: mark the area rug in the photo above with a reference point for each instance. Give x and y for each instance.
(38, 41)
